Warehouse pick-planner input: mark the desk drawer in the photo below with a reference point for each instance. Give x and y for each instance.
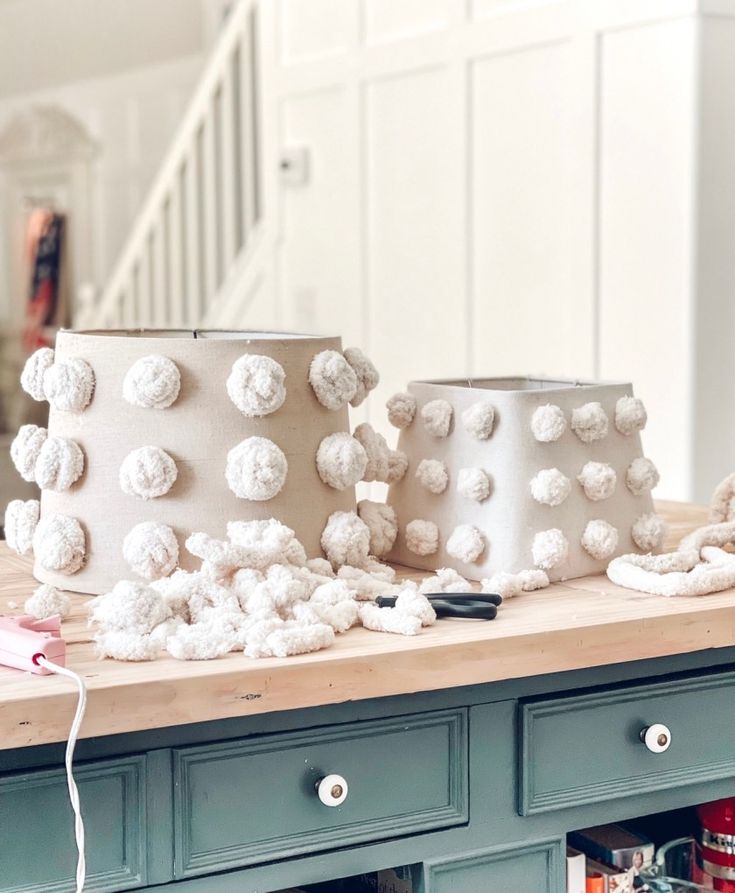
(247, 801)
(586, 748)
(37, 849)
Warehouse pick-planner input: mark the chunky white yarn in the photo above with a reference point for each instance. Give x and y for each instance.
(151, 550)
(437, 417)
(478, 419)
(433, 475)
(550, 549)
(20, 523)
(630, 415)
(333, 379)
(31, 378)
(382, 524)
(60, 464)
(397, 466)
(466, 543)
(152, 382)
(550, 487)
(256, 469)
(599, 539)
(509, 585)
(685, 572)
(401, 409)
(412, 611)
(25, 449)
(346, 539)
(59, 544)
(377, 451)
(598, 480)
(367, 375)
(265, 542)
(422, 537)
(272, 611)
(48, 601)
(473, 483)
(548, 423)
(130, 606)
(642, 476)
(341, 460)
(446, 579)
(148, 472)
(648, 532)
(589, 422)
(722, 506)
(256, 385)
(68, 385)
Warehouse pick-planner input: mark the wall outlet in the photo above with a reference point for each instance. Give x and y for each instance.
(295, 166)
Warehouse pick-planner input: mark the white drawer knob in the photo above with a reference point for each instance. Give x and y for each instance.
(656, 737)
(332, 790)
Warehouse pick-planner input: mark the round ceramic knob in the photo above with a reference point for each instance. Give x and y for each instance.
(332, 790)
(656, 737)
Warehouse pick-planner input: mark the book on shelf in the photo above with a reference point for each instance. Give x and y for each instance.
(576, 871)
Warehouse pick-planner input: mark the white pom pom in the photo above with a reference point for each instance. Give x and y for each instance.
(152, 382)
(642, 476)
(346, 539)
(151, 550)
(31, 378)
(473, 483)
(25, 449)
(433, 476)
(256, 385)
(648, 532)
(550, 548)
(148, 472)
(60, 463)
(48, 601)
(341, 460)
(21, 519)
(589, 422)
(630, 415)
(382, 523)
(68, 385)
(466, 543)
(401, 410)
(422, 537)
(377, 452)
(333, 379)
(550, 486)
(600, 539)
(59, 544)
(367, 375)
(479, 419)
(397, 466)
(256, 469)
(130, 607)
(598, 480)
(548, 423)
(437, 417)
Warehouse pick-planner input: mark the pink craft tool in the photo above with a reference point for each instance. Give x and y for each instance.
(23, 638)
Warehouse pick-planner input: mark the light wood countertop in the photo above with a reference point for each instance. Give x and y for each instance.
(583, 623)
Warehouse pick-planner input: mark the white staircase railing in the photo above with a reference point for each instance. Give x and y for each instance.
(203, 216)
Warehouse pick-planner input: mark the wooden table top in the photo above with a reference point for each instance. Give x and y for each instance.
(583, 623)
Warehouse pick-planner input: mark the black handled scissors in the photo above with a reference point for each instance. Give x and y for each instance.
(470, 605)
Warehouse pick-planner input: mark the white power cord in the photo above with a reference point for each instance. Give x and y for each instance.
(68, 762)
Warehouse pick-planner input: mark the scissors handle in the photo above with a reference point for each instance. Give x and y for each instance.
(471, 605)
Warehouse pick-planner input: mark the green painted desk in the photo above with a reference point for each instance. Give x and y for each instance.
(468, 751)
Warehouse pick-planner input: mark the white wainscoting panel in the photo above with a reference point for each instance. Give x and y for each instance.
(646, 237)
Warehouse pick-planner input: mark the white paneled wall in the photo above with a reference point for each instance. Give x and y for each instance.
(505, 186)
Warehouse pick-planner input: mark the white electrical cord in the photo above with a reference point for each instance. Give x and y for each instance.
(68, 762)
